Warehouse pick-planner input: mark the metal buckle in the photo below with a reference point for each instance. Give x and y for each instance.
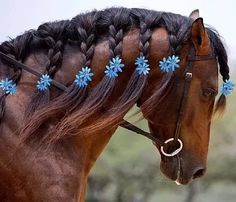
(188, 76)
(174, 152)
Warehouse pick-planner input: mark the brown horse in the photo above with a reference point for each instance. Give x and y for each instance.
(50, 139)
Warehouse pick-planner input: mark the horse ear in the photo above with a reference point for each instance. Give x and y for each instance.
(199, 36)
(194, 14)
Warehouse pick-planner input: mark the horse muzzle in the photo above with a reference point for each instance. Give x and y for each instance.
(180, 170)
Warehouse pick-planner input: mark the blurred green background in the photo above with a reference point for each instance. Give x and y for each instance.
(128, 169)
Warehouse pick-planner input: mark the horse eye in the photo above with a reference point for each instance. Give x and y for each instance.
(209, 93)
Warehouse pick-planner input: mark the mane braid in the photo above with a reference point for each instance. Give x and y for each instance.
(116, 21)
(221, 55)
(81, 29)
(114, 116)
(51, 35)
(179, 29)
(18, 49)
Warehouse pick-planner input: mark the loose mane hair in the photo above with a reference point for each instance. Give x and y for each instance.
(71, 111)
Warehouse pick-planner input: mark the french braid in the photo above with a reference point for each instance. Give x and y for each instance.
(81, 30)
(17, 49)
(113, 19)
(133, 89)
(50, 35)
(221, 55)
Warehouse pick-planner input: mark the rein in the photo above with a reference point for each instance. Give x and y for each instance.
(30, 70)
(127, 125)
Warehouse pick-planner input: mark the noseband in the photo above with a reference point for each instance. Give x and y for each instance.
(125, 124)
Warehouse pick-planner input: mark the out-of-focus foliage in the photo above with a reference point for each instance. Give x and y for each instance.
(128, 170)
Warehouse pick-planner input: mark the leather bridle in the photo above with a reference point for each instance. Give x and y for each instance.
(188, 74)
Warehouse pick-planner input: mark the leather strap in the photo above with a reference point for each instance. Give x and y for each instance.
(30, 70)
(137, 130)
(200, 57)
(188, 75)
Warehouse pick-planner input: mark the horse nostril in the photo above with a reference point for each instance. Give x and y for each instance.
(199, 173)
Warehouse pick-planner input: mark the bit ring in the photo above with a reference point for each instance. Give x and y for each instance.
(174, 152)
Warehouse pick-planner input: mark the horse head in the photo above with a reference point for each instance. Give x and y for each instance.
(180, 116)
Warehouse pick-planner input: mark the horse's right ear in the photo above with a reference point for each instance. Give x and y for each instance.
(194, 14)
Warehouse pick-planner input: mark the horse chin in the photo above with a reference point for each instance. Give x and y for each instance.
(171, 168)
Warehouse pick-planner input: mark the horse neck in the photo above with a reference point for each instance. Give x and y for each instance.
(87, 149)
(92, 146)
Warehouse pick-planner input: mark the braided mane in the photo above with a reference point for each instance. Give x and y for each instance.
(75, 107)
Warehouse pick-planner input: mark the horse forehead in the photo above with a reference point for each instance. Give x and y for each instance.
(206, 68)
(206, 72)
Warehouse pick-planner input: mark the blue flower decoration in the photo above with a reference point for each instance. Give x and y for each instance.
(44, 82)
(164, 66)
(115, 66)
(169, 64)
(80, 82)
(227, 87)
(110, 72)
(83, 77)
(143, 69)
(8, 86)
(140, 60)
(142, 65)
(173, 62)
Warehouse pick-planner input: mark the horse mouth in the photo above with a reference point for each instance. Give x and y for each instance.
(173, 169)
(179, 179)
(175, 175)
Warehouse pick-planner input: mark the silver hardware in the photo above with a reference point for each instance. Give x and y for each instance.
(188, 76)
(174, 152)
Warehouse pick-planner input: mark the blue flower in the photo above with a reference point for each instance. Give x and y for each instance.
(44, 82)
(227, 87)
(80, 81)
(140, 60)
(83, 77)
(169, 64)
(11, 89)
(143, 68)
(86, 74)
(116, 64)
(142, 65)
(164, 65)
(8, 86)
(173, 62)
(111, 72)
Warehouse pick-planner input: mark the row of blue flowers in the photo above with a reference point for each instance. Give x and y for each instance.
(112, 70)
